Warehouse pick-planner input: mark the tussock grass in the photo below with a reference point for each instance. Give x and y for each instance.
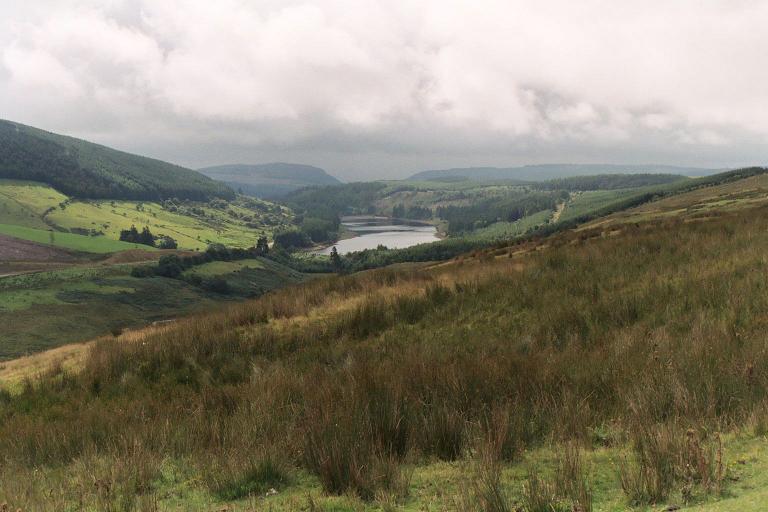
(665, 457)
(640, 335)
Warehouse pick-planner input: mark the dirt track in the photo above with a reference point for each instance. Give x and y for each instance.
(13, 249)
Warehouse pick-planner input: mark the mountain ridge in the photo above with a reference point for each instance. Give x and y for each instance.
(539, 172)
(270, 180)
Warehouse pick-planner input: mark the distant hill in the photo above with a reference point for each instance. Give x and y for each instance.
(85, 170)
(609, 181)
(553, 171)
(270, 180)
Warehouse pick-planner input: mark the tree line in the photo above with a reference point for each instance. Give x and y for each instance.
(465, 219)
(145, 237)
(607, 182)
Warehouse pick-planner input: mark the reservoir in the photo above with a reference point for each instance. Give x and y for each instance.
(370, 232)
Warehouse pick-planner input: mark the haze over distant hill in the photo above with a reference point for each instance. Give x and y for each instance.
(270, 180)
(85, 170)
(551, 171)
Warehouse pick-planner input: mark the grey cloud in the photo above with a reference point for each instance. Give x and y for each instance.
(374, 88)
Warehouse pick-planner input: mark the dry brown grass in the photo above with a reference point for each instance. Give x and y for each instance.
(14, 372)
(349, 377)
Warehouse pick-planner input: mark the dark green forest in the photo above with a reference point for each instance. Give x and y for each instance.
(85, 170)
(463, 219)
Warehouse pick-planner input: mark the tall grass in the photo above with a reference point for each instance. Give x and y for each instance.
(665, 457)
(350, 377)
(568, 491)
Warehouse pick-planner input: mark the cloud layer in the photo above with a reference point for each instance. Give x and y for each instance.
(380, 88)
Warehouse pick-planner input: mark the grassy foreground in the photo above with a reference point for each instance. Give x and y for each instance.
(596, 370)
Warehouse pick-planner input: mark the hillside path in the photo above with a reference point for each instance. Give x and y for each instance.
(558, 212)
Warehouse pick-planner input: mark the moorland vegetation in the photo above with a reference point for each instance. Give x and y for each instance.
(645, 340)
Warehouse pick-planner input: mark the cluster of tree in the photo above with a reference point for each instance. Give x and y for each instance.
(464, 219)
(308, 231)
(435, 251)
(608, 181)
(173, 265)
(319, 230)
(291, 239)
(319, 210)
(82, 169)
(134, 236)
(334, 201)
(301, 262)
(145, 237)
(400, 211)
(418, 212)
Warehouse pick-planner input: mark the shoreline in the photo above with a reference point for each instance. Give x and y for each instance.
(347, 234)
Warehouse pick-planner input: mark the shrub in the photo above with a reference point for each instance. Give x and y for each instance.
(216, 285)
(167, 242)
(144, 237)
(143, 271)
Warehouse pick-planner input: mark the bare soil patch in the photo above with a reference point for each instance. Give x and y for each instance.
(14, 249)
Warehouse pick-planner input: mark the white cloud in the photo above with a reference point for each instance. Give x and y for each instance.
(507, 81)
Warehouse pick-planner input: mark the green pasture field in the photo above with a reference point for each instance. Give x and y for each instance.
(71, 241)
(42, 209)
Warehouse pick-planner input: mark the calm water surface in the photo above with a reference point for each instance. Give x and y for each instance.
(374, 231)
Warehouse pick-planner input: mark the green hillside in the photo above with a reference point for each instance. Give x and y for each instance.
(95, 225)
(85, 170)
(270, 180)
(71, 241)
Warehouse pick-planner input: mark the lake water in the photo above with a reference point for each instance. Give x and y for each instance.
(374, 231)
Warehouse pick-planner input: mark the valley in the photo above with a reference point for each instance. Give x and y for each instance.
(522, 356)
(79, 272)
(383, 256)
(547, 349)
(590, 279)
(372, 232)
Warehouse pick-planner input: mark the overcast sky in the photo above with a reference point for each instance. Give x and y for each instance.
(370, 89)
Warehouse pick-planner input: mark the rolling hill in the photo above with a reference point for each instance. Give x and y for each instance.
(33, 211)
(82, 169)
(270, 180)
(617, 368)
(553, 171)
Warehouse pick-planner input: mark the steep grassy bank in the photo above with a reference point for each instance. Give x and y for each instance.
(647, 339)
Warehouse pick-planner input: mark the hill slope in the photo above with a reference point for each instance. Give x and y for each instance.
(490, 376)
(85, 170)
(42, 210)
(270, 180)
(47, 309)
(552, 171)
